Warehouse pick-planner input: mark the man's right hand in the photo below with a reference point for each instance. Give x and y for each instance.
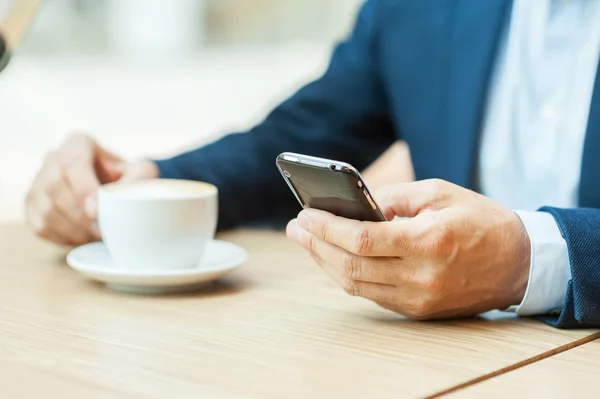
(61, 204)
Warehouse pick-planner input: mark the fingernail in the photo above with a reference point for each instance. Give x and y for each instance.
(304, 221)
(294, 232)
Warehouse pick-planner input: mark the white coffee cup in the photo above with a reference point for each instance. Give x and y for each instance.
(157, 224)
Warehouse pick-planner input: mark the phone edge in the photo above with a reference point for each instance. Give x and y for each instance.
(324, 163)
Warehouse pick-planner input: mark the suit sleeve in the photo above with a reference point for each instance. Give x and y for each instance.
(581, 230)
(342, 115)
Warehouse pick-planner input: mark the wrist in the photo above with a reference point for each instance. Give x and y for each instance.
(519, 261)
(151, 169)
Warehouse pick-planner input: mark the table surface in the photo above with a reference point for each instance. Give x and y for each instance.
(573, 373)
(276, 328)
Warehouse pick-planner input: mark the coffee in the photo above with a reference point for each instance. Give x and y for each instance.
(165, 188)
(157, 224)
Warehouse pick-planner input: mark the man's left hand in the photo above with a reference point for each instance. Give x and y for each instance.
(456, 253)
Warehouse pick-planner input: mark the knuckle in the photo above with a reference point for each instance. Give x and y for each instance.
(323, 229)
(352, 266)
(363, 242)
(320, 228)
(432, 283)
(400, 240)
(40, 228)
(441, 239)
(351, 287)
(311, 243)
(437, 186)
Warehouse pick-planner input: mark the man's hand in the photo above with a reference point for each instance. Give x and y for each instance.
(458, 253)
(61, 204)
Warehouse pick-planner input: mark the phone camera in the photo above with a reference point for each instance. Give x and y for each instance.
(332, 167)
(287, 174)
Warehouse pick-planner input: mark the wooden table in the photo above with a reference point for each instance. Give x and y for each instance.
(571, 374)
(276, 328)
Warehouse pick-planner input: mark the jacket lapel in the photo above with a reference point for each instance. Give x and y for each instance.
(589, 183)
(474, 40)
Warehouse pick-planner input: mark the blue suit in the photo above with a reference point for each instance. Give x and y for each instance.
(417, 71)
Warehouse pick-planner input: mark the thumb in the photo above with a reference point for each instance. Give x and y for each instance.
(139, 170)
(109, 167)
(411, 199)
(115, 169)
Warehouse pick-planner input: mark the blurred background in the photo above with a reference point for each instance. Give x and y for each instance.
(152, 77)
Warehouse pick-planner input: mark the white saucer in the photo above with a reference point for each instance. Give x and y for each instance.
(94, 261)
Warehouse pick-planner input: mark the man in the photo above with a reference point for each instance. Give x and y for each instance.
(493, 96)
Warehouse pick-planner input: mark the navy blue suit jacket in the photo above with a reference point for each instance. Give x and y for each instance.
(412, 70)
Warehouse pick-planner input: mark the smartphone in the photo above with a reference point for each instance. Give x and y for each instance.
(329, 185)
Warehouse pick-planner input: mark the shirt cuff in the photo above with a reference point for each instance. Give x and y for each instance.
(550, 270)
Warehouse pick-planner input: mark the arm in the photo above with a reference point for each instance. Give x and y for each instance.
(393, 166)
(580, 229)
(342, 115)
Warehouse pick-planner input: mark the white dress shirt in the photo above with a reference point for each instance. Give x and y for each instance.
(535, 126)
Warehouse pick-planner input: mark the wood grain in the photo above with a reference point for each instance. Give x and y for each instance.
(277, 328)
(569, 374)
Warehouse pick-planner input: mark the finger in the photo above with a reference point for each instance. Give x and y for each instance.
(54, 195)
(109, 167)
(380, 270)
(355, 287)
(302, 237)
(35, 222)
(78, 168)
(68, 206)
(82, 180)
(108, 172)
(384, 293)
(139, 170)
(397, 238)
(402, 298)
(346, 284)
(55, 238)
(106, 155)
(71, 234)
(53, 223)
(90, 207)
(410, 199)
